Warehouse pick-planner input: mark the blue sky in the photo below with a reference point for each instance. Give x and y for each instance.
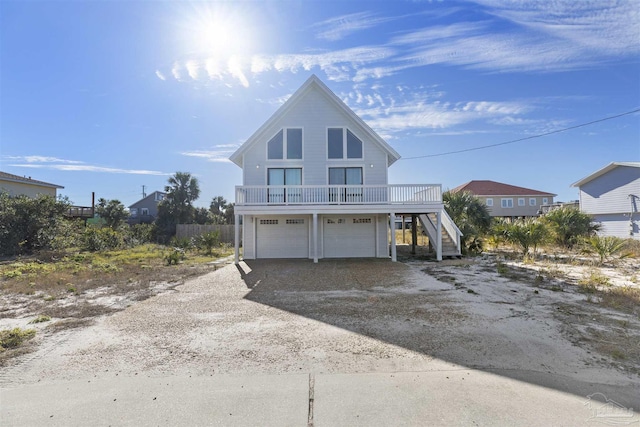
(109, 96)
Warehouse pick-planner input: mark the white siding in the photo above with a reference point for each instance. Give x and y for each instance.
(618, 225)
(314, 114)
(609, 193)
(248, 235)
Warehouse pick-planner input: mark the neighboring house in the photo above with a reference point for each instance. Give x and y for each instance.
(507, 201)
(315, 185)
(574, 204)
(145, 210)
(612, 196)
(17, 185)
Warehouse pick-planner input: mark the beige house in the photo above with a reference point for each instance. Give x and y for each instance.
(17, 185)
(508, 201)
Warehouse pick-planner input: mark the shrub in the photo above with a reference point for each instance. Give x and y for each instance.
(183, 243)
(141, 233)
(568, 225)
(208, 241)
(175, 256)
(528, 233)
(12, 338)
(606, 247)
(100, 239)
(29, 224)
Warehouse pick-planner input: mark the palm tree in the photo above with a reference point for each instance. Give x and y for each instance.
(182, 191)
(527, 233)
(218, 205)
(470, 215)
(569, 224)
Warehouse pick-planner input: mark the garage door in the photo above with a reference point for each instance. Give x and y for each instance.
(282, 237)
(349, 236)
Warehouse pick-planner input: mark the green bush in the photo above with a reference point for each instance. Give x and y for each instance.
(568, 225)
(208, 241)
(140, 234)
(183, 243)
(100, 239)
(29, 224)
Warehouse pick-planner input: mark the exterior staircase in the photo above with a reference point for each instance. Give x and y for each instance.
(450, 233)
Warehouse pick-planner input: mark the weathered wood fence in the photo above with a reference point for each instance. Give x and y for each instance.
(191, 230)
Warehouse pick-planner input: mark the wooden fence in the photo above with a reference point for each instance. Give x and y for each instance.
(191, 230)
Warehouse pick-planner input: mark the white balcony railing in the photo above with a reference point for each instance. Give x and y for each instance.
(338, 194)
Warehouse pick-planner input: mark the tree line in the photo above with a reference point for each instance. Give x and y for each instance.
(34, 224)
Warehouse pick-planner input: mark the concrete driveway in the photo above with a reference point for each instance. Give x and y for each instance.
(341, 342)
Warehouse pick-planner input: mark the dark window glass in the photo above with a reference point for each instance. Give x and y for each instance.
(336, 176)
(354, 146)
(334, 137)
(275, 147)
(294, 143)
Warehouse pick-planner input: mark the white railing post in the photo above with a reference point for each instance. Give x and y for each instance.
(315, 237)
(439, 236)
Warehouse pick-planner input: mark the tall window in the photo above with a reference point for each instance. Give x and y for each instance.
(348, 177)
(286, 142)
(343, 144)
(281, 177)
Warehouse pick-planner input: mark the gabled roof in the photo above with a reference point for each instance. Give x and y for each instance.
(493, 188)
(611, 166)
(313, 82)
(4, 176)
(151, 197)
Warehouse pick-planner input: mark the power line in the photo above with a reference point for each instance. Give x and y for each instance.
(525, 138)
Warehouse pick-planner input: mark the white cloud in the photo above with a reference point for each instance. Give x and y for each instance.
(45, 162)
(160, 75)
(175, 70)
(341, 26)
(217, 156)
(192, 69)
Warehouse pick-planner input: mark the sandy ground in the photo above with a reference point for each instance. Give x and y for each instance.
(347, 316)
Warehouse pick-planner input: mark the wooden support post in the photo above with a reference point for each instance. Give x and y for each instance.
(414, 234)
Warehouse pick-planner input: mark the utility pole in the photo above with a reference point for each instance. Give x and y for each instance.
(143, 193)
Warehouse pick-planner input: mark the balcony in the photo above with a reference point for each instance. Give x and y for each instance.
(275, 195)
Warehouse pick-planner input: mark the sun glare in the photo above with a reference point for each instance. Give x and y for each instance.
(217, 31)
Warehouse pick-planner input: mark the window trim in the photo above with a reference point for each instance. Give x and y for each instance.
(545, 200)
(284, 158)
(345, 131)
(522, 201)
(534, 200)
(144, 211)
(509, 201)
(489, 202)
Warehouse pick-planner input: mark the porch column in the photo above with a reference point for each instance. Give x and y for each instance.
(392, 220)
(439, 236)
(315, 237)
(236, 229)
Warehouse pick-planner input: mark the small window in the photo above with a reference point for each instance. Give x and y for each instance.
(335, 221)
(362, 220)
(133, 212)
(268, 222)
(506, 203)
(295, 221)
(532, 201)
(521, 201)
(545, 200)
(144, 211)
(489, 202)
(159, 197)
(294, 143)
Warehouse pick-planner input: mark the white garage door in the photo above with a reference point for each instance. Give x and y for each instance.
(349, 236)
(282, 237)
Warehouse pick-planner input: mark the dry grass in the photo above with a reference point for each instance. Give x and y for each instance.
(67, 287)
(423, 240)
